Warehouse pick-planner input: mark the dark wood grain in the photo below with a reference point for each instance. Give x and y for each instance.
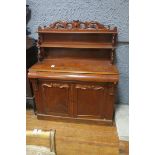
(76, 78)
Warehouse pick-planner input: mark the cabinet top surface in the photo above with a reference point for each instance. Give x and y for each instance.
(75, 65)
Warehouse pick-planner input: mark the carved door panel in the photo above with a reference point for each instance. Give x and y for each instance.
(55, 98)
(90, 101)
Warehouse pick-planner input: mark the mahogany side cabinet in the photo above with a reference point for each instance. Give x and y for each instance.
(75, 78)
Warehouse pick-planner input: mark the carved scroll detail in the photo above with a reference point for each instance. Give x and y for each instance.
(85, 87)
(112, 56)
(55, 85)
(76, 24)
(41, 52)
(113, 38)
(111, 91)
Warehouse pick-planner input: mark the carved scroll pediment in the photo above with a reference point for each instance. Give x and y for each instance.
(78, 25)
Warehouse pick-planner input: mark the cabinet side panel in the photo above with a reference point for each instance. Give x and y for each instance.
(110, 101)
(36, 91)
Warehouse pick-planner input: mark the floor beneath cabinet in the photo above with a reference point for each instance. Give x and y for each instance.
(122, 121)
(83, 139)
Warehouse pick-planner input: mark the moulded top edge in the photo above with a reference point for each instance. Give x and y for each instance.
(77, 31)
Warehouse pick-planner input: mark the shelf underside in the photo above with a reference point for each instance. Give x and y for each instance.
(78, 45)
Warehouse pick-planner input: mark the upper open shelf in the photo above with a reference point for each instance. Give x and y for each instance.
(77, 36)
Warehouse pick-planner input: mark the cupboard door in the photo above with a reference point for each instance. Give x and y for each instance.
(55, 98)
(90, 100)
